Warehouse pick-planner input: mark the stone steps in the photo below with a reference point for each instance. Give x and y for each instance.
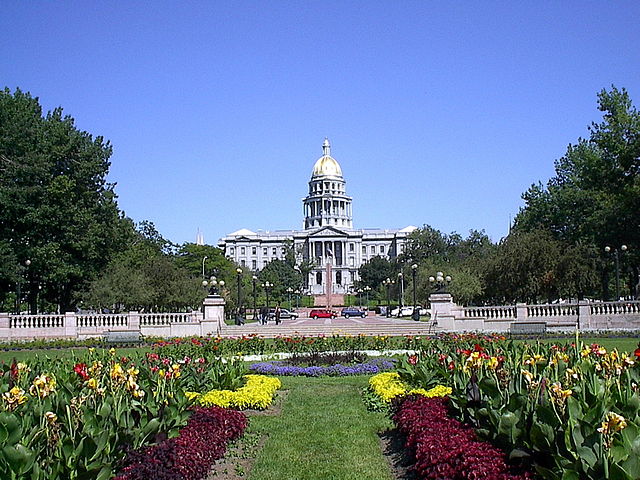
(285, 329)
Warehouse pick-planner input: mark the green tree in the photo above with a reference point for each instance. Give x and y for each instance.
(594, 197)
(56, 207)
(373, 272)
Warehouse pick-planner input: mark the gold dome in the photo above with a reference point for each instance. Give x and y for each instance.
(326, 164)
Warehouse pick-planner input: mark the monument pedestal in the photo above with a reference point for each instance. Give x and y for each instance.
(213, 321)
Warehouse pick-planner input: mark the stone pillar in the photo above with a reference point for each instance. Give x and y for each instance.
(5, 332)
(521, 312)
(213, 321)
(441, 310)
(133, 321)
(584, 315)
(70, 325)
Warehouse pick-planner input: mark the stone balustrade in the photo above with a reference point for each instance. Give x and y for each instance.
(564, 316)
(81, 326)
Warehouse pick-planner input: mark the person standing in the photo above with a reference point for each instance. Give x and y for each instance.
(264, 315)
(277, 314)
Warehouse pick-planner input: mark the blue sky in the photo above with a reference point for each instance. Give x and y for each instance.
(439, 113)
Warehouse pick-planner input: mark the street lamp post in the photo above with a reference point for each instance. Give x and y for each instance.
(18, 304)
(239, 319)
(367, 289)
(213, 285)
(254, 279)
(289, 292)
(440, 282)
(203, 260)
(623, 249)
(267, 287)
(297, 299)
(388, 282)
(416, 312)
(400, 292)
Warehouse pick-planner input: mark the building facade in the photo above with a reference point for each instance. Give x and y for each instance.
(327, 237)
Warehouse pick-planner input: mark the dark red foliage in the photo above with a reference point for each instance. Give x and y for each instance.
(446, 449)
(190, 455)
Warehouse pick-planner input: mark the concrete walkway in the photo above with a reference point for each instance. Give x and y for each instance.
(371, 325)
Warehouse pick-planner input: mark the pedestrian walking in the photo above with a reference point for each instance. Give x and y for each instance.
(277, 314)
(264, 315)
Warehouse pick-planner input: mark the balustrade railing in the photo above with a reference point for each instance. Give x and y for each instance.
(152, 319)
(36, 321)
(552, 310)
(615, 308)
(490, 312)
(106, 320)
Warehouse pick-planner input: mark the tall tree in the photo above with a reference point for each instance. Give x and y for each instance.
(56, 207)
(594, 197)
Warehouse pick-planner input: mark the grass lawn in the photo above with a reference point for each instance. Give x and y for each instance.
(324, 432)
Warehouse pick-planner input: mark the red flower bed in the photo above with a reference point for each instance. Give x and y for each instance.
(446, 449)
(190, 455)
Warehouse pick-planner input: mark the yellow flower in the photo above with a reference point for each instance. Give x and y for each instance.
(43, 386)
(257, 393)
(51, 417)
(117, 373)
(92, 383)
(493, 363)
(14, 397)
(112, 351)
(613, 423)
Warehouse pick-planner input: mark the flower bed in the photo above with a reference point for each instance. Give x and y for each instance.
(281, 369)
(569, 411)
(388, 386)
(257, 393)
(190, 455)
(444, 448)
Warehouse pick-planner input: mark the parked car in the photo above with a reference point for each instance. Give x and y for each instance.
(284, 313)
(322, 313)
(402, 312)
(353, 312)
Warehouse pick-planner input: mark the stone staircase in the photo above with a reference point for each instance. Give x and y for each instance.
(370, 326)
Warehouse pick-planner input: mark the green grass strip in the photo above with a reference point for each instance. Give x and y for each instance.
(324, 432)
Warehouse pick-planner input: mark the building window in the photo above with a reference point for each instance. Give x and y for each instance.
(319, 278)
(364, 250)
(254, 264)
(232, 251)
(373, 249)
(264, 251)
(254, 250)
(352, 262)
(243, 263)
(352, 247)
(242, 250)
(339, 278)
(381, 248)
(275, 252)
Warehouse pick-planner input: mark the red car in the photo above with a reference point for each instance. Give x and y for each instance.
(322, 313)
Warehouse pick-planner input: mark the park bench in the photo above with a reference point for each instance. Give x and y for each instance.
(122, 337)
(528, 328)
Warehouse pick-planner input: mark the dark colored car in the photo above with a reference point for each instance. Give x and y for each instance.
(353, 312)
(322, 313)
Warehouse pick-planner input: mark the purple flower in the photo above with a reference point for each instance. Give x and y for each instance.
(280, 369)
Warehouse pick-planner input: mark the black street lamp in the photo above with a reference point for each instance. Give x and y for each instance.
(289, 292)
(623, 249)
(267, 287)
(400, 292)
(254, 279)
(367, 289)
(388, 282)
(212, 285)
(239, 319)
(21, 268)
(416, 312)
(440, 282)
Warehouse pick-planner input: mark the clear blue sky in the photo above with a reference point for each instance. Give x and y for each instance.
(439, 113)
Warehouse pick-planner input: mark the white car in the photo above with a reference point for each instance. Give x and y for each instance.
(408, 311)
